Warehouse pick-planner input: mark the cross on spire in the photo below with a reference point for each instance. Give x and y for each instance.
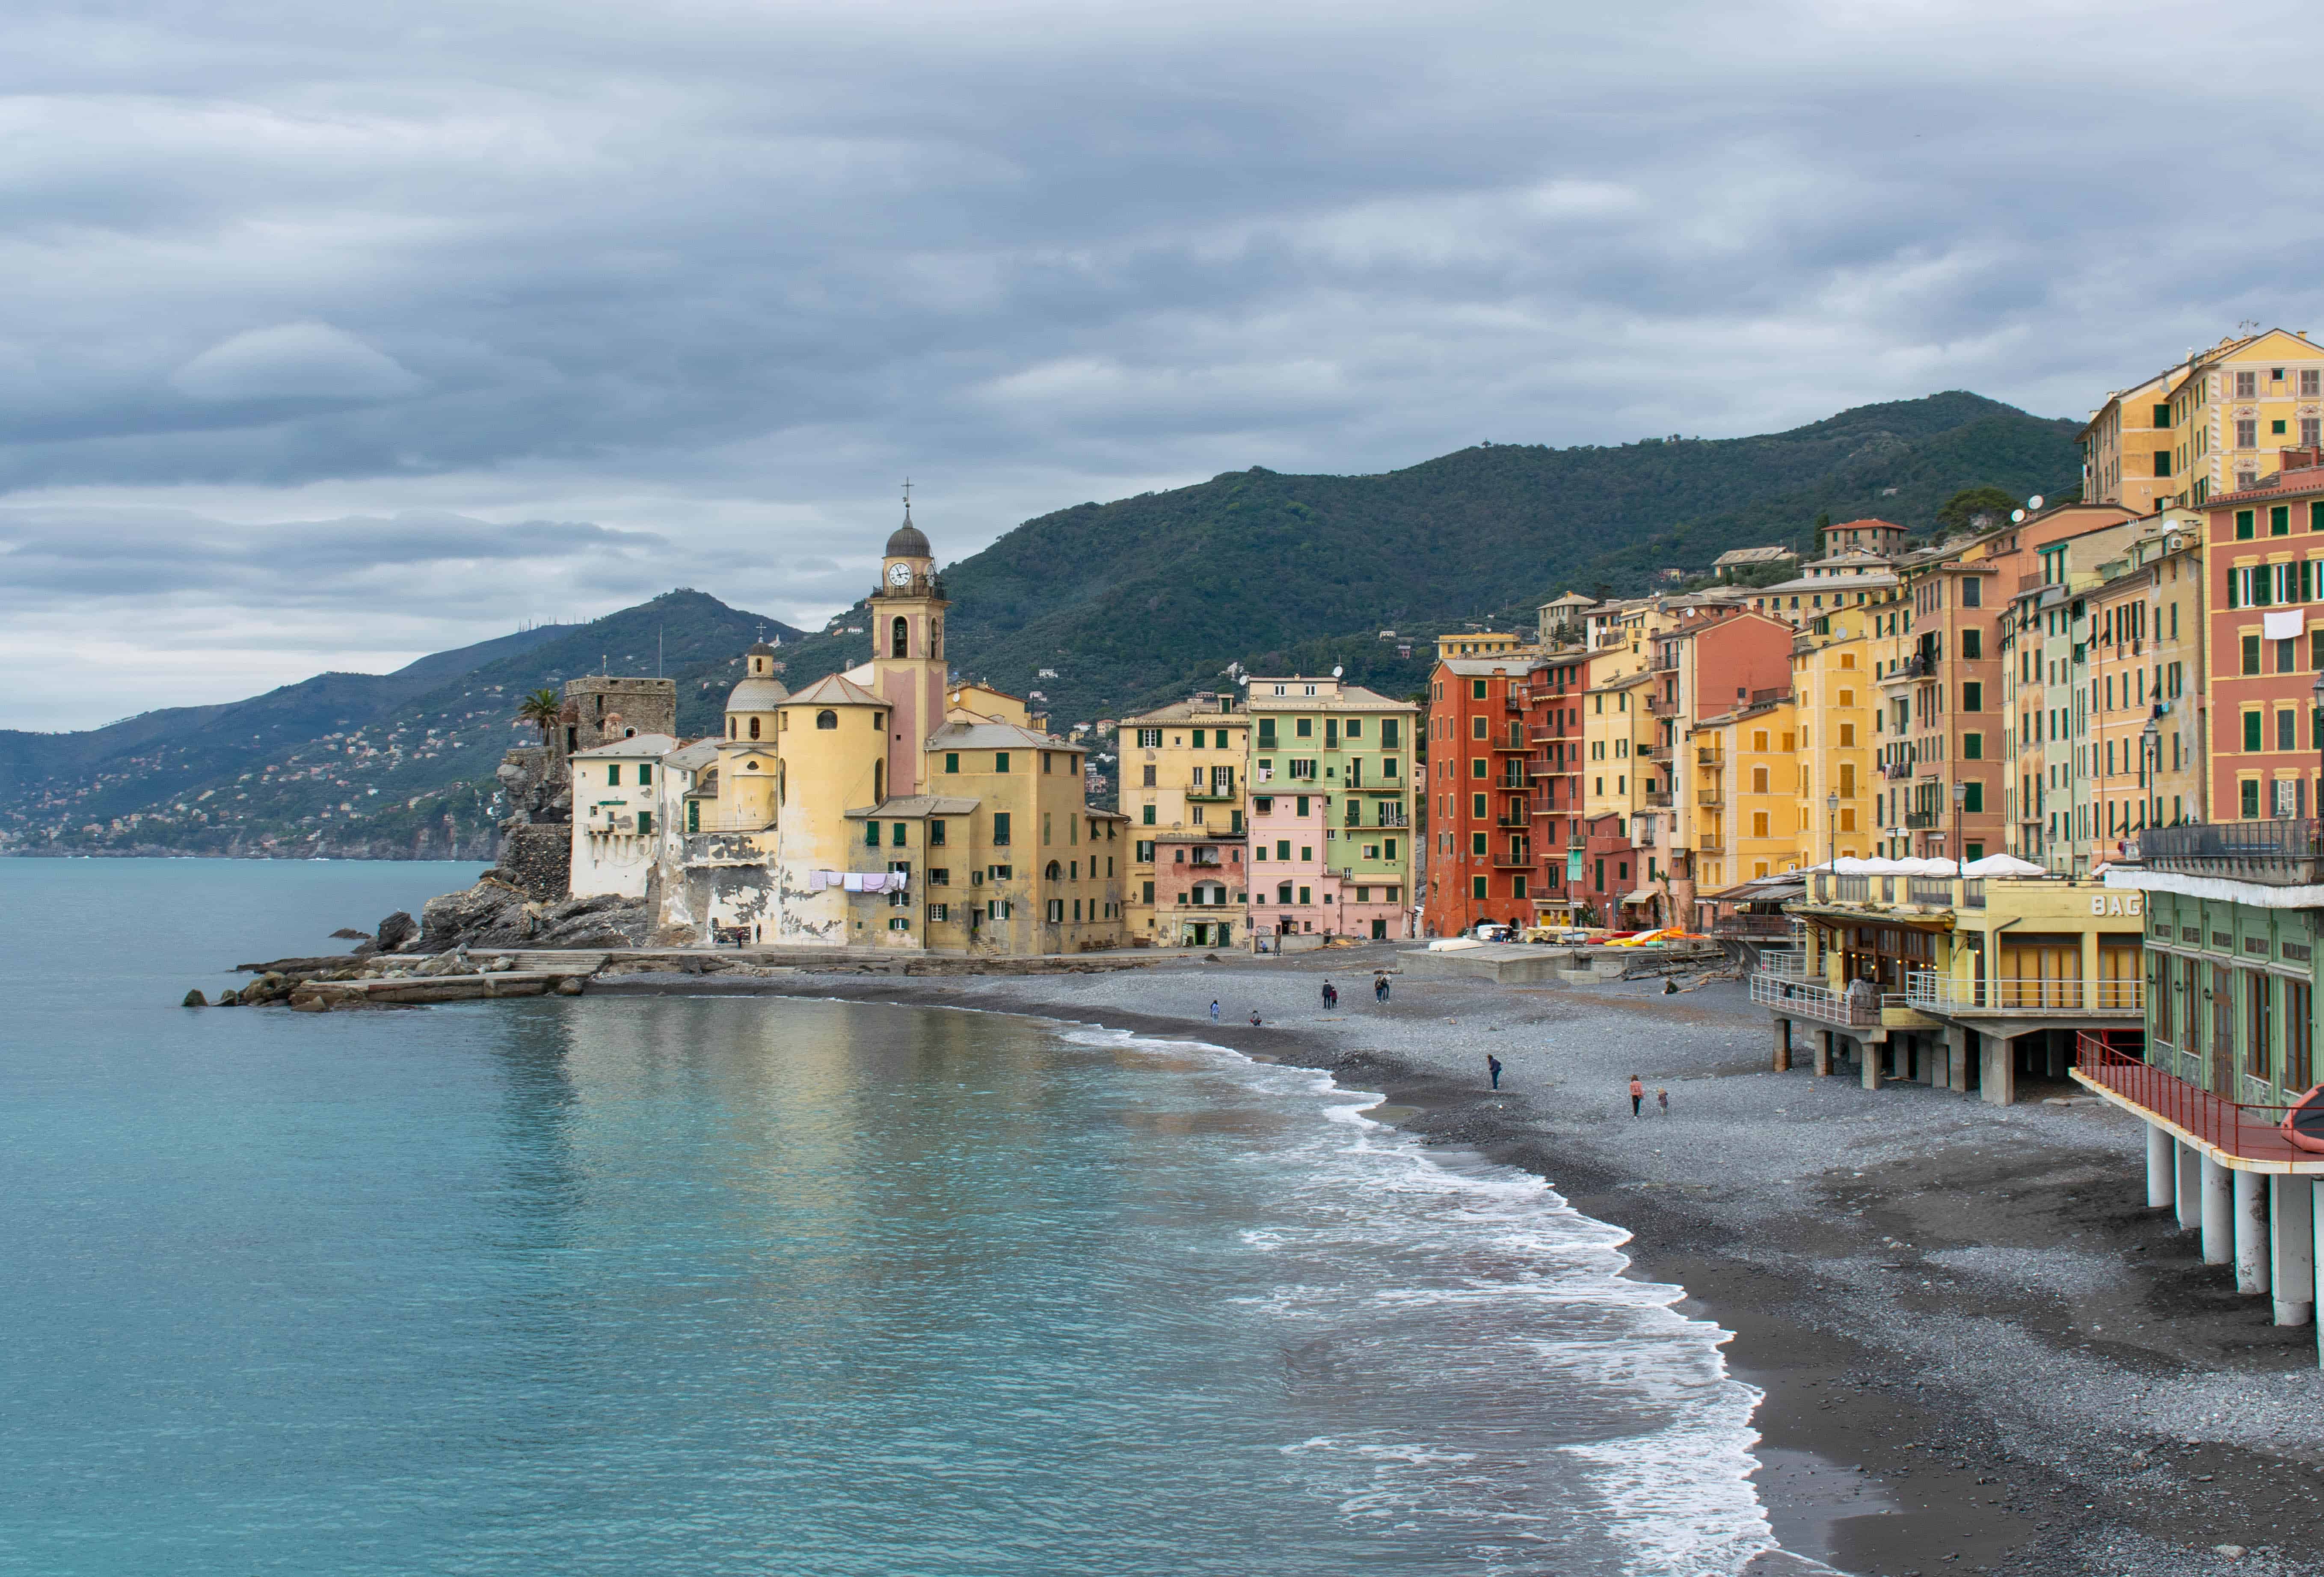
(907, 498)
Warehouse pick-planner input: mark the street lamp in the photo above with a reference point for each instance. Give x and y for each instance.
(1831, 832)
(2150, 751)
(1960, 797)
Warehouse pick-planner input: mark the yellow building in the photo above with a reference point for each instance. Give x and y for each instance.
(1479, 643)
(1744, 778)
(2214, 424)
(880, 807)
(2145, 675)
(1184, 786)
(1837, 773)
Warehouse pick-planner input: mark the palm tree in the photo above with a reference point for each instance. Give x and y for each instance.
(540, 709)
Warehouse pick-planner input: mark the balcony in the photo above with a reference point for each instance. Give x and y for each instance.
(1896, 770)
(1707, 755)
(2245, 1138)
(1544, 735)
(1546, 807)
(1505, 861)
(1507, 744)
(2275, 853)
(1659, 753)
(1923, 820)
(1506, 819)
(1540, 767)
(1786, 964)
(1213, 792)
(1943, 993)
(1709, 840)
(1658, 706)
(1800, 998)
(1711, 798)
(1659, 801)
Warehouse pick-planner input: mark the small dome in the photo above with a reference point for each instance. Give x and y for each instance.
(908, 542)
(757, 694)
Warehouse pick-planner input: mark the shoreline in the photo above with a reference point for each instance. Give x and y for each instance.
(1884, 1450)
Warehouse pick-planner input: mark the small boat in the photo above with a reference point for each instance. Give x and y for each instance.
(2303, 1125)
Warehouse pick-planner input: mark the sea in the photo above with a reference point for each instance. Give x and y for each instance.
(710, 1284)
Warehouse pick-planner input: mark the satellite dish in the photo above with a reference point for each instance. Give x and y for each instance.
(2034, 502)
(2016, 515)
(1243, 679)
(1335, 670)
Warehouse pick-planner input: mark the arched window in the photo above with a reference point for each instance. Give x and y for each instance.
(754, 728)
(899, 637)
(1054, 872)
(826, 720)
(879, 781)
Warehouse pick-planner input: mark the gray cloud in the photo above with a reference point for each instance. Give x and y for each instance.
(424, 281)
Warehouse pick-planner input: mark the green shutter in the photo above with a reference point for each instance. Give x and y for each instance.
(2243, 525)
(2252, 731)
(871, 835)
(2279, 519)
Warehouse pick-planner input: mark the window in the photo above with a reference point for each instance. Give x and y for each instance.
(1973, 802)
(1972, 592)
(871, 835)
(1476, 843)
(2252, 732)
(899, 637)
(645, 818)
(939, 875)
(1972, 696)
(1001, 828)
(2243, 525)
(1476, 728)
(2287, 730)
(1476, 689)
(2162, 417)
(1391, 734)
(1476, 766)
(1149, 738)
(1477, 886)
(2312, 432)
(2247, 385)
(1972, 641)
(2251, 654)
(996, 908)
(2275, 428)
(1759, 823)
(2311, 382)
(1972, 747)
(1000, 761)
(2249, 795)
(1263, 806)
(2279, 519)
(938, 913)
(2246, 432)
(952, 760)
(614, 776)
(1302, 728)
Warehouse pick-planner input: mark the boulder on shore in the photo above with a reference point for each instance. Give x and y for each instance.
(194, 999)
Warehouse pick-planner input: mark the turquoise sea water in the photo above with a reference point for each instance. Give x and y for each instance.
(719, 1285)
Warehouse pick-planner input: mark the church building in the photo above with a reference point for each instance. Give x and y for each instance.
(883, 807)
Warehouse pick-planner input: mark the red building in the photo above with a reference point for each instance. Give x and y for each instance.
(2263, 572)
(1504, 736)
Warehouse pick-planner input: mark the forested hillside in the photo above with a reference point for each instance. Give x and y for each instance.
(1128, 603)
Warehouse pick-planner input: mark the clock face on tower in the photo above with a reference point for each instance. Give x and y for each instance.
(900, 574)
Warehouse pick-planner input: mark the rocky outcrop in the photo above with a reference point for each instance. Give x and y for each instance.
(494, 914)
(537, 859)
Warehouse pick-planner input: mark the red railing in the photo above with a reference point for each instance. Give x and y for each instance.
(2108, 1061)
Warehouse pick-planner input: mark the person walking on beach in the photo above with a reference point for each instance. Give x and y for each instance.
(1214, 1009)
(1493, 1067)
(1637, 1094)
(1331, 997)
(1379, 989)
(1254, 1017)
(1662, 1099)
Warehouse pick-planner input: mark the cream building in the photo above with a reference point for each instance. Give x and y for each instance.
(1185, 787)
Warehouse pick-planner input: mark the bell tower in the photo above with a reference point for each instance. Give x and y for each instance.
(908, 649)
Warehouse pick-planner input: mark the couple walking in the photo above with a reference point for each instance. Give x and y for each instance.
(1638, 1097)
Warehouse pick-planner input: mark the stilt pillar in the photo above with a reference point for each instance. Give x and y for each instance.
(1997, 1075)
(2292, 1245)
(2162, 1185)
(1869, 1053)
(1823, 1054)
(1959, 1047)
(1783, 1045)
(2251, 1233)
(2218, 1215)
(2190, 1187)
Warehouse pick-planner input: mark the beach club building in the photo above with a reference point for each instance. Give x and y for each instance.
(2234, 917)
(1972, 981)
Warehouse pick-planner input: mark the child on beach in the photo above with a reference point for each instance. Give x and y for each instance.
(1662, 1099)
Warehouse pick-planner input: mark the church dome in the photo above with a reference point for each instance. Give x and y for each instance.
(757, 694)
(908, 542)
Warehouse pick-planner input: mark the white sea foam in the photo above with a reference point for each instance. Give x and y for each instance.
(1607, 1415)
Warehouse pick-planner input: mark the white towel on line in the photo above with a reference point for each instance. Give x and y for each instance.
(2283, 626)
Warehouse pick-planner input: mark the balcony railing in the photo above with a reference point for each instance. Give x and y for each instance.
(2281, 853)
(1512, 859)
(1923, 820)
(1658, 752)
(2251, 1133)
(1893, 770)
(1946, 993)
(1711, 797)
(1214, 791)
(1543, 736)
(1507, 819)
(1973, 893)
(1706, 755)
(1544, 808)
(1849, 888)
(1786, 964)
(1937, 890)
(1658, 706)
(1748, 926)
(1659, 801)
(1804, 999)
(1710, 840)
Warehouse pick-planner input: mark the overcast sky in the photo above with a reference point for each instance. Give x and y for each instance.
(335, 334)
